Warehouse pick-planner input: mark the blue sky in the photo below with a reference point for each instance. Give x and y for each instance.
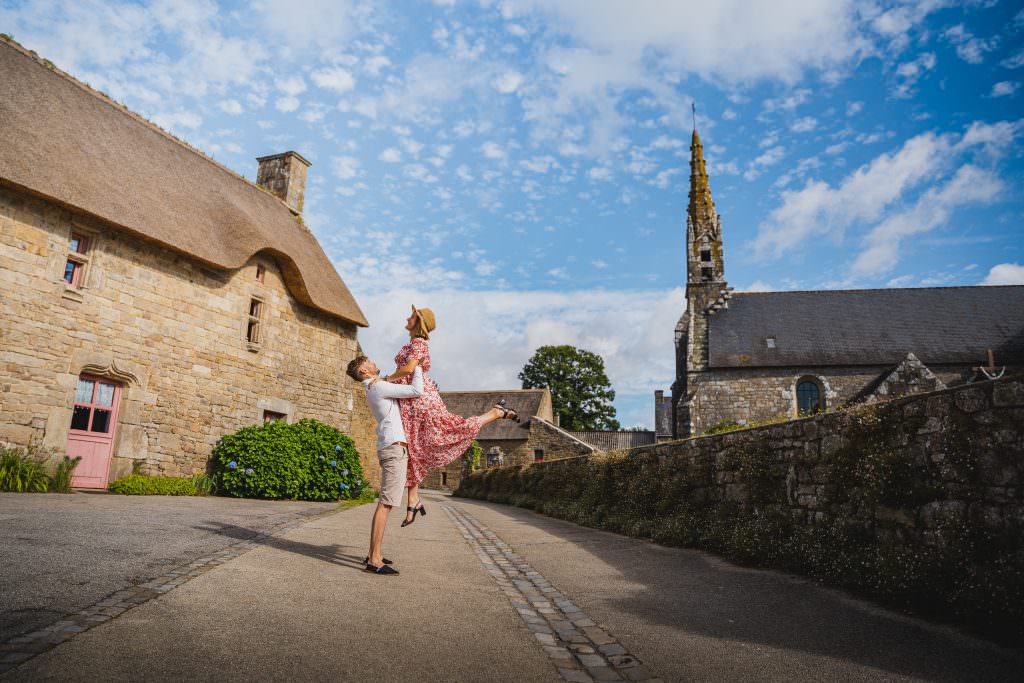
(520, 166)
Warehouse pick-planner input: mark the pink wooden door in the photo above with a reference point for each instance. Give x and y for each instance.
(92, 430)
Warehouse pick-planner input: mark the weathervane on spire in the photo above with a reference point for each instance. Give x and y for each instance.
(693, 104)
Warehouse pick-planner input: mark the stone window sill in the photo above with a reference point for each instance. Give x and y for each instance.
(253, 347)
(73, 294)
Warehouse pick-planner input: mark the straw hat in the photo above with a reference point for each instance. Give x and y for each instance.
(427, 321)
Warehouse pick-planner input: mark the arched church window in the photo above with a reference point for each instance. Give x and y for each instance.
(705, 255)
(809, 399)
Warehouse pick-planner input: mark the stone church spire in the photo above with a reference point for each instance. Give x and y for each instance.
(706, 290)
(704, 261)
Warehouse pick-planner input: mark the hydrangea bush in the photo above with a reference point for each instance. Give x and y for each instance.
(307, 460)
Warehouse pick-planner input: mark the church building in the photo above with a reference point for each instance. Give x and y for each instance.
(744, 357)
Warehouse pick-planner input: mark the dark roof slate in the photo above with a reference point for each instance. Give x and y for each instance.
(869, 327)
(613, 441)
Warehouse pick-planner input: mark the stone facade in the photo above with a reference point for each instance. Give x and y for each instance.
(170, 330)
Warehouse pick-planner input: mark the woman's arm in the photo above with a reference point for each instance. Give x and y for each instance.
(403, 371)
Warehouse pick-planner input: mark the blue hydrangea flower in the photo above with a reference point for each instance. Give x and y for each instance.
(334, 463)
(342, 486)
(249, 471)
(344, 473)
(232, 464)
(338, 448)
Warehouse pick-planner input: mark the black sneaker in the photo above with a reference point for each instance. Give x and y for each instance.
(384, 570)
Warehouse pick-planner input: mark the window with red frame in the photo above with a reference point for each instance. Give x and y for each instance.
(94, 406)
(78, 248)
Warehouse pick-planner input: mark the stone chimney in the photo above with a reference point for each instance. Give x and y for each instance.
(285, 176)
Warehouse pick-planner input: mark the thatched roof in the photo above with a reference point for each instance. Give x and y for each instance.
(63, 141)
(527, 402)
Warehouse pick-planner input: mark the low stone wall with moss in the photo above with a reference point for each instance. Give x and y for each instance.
(918, 502)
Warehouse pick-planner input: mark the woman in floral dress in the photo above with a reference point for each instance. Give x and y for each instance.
(435, 436)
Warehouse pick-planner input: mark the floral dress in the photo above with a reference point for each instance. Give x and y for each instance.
(436, 437)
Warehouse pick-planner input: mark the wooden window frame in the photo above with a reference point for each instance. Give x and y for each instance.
(280, 417)
(539, 451)
(81, 259)
(254, 342)
(810, 379)
(112, 409)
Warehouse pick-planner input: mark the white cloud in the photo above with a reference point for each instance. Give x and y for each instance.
(769, 157)
(787, 103)
(345, 167)
(231, 106)
(374, 64)
(287, 104)
(178, 120)
(307, 25)
(881, 250)
(1004, 88)
(804, 125)
(540, 164)
(1005, 274)
(968, 47)
(420, 172)
(391, 155)
(600, 173)
(293, 85)
(729, 115)
(492, 150)
(853, 108)
(508, 82)
(335, 79)
(1014, 61)
(910, 72)
(880, 190)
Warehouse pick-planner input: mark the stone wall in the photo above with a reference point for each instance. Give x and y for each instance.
(170, 329)
(746, 395)
(918, 501)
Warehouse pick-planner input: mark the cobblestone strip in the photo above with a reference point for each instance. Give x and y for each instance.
(580, 649)
(24, 647)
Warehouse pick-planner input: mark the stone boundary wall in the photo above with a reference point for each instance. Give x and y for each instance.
(918, 502)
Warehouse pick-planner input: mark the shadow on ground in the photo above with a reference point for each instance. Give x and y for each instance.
(332, 554)
(697, 593)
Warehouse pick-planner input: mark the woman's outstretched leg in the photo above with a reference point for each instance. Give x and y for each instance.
(413, 501)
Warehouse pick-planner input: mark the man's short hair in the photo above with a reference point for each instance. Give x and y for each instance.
(354, 367)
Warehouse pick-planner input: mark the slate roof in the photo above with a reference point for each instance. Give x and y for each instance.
(612, 441)
(63, 141)
(527, 402)
(870, 327)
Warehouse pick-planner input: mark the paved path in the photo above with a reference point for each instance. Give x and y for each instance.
(492, 593)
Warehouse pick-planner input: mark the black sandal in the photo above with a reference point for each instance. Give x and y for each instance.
(418, 510)
(383, 570)
(383, 559)
(505, 412)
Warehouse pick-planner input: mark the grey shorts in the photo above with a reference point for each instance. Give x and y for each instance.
(393, 462)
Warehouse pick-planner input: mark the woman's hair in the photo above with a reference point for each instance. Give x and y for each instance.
(354, 366)
(420, 331)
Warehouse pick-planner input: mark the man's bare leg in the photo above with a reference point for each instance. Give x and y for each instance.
(380, 521)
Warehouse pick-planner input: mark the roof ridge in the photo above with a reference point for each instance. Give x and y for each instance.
(7, 39)
(872, 289)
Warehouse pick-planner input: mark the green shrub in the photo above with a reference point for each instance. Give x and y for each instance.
(308, 460)
(141, 485)
(22, 471)
(205, 484)
(60, 482)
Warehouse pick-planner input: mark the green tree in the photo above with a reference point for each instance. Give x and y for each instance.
(581, 394)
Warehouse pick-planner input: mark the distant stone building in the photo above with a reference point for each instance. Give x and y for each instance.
(745, 357)
(504, 442)
(151, 300)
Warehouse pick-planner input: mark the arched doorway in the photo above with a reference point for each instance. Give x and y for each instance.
(93, 422)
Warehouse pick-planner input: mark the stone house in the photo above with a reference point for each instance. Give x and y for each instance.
(535, 438)
(151, 300)
(746, 357)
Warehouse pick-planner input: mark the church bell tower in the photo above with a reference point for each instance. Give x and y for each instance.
(706, 291)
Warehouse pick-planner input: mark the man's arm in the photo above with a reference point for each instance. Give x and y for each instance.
(389, 390)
